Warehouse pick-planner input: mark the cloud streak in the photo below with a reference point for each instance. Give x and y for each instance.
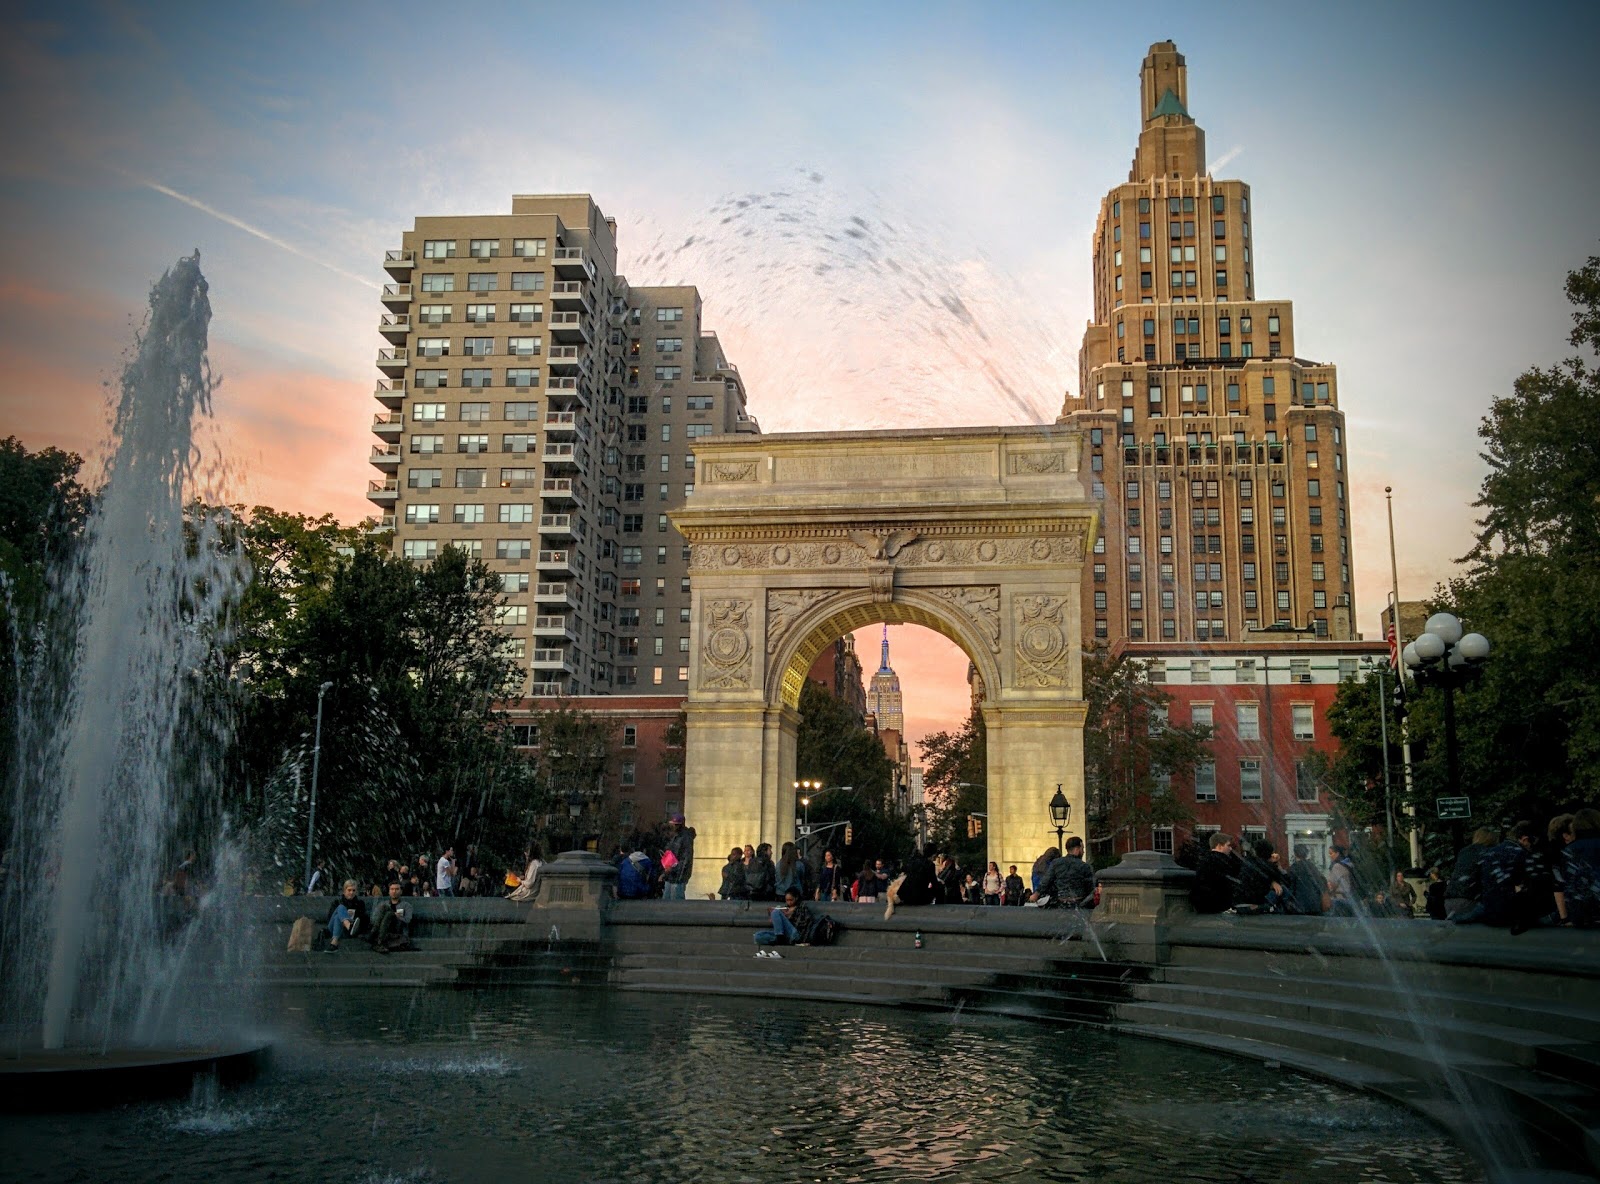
(256, 231)
(1227, 158)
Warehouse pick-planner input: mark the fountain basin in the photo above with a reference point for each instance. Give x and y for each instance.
(41, 1080)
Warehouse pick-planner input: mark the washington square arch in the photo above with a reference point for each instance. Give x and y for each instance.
(980, 534)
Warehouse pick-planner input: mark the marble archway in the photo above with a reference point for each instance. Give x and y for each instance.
(978, 533)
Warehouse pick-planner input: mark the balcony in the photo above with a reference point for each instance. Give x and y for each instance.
(564, 359)
(399, 263)
(390, 394)
(562, 456)
(556, 525)
(554, 626)
(561, 421)
(558, 489)
(569, 328)
(393, 362)
(554, 594)
(387, 459)
(550, 660)
(555, 561)
(396, 296)
(394, 326)
(384, 493)
(546, 690)
(569, 263)
(571, 295)
(388, 424)
(384, 522)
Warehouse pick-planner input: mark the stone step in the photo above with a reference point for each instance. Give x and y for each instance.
(1538, 1017)
(754, 974)
(777, 992)
(1435, 1029)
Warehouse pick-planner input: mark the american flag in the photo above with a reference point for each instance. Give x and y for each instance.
(1394, 649)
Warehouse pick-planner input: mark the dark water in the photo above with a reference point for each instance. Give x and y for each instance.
(578, 1086)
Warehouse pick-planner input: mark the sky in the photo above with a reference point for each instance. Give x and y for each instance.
(1423, 177)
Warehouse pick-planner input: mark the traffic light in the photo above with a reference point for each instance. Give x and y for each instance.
(849, 834)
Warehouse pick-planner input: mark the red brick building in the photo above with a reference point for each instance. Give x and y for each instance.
(1266, 699)
(642, 789)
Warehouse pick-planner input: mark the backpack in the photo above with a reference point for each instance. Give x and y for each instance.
(824, 932)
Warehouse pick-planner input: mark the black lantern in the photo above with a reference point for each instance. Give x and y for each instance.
(575, 812)
(1060, 813)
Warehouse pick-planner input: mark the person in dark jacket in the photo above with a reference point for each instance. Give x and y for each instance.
(1579, 897)
(393, 933)
(633, 877)
(1217, 878)
(1501, 869)
(1536, 903)
(1433, 895)
(1068, 882)
(920, 886)
(1465, 888)
(1306, 885)
(733, 885)
(347, 917)
(1042, 865)
(791, 871)
(1259, 885)
(949, 877)
(1016, 890)
(675, 879)
(761, 875)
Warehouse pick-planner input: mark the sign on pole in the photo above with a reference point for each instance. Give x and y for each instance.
(1453, 809)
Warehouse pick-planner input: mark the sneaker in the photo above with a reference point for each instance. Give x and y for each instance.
(801, 944)
(773, 954)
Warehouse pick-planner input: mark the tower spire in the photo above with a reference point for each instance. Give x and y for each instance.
(884, 664)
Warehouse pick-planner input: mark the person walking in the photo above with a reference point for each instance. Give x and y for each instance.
(1016, 890)
(444, 876)
(1402, 896)
(828, 877)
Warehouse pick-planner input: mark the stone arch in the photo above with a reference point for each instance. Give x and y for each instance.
(846, 611)
(980, 534)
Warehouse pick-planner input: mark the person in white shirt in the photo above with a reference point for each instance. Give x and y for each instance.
(444, 876)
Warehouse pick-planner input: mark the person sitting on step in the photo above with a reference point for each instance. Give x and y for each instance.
(393, 933)
(787, 925)
(347, 917)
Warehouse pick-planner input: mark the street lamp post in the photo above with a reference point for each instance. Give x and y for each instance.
(575, 812)
(804, 790)
(316, 763)
(1060, 815)
(1443, 657)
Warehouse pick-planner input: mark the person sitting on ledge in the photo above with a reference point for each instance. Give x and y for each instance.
(1260, 885)
(347, 917)
(786, 925)
(633, 877)
(1343, 898)
(1068, 882)
(393, 933)
(1217, 877)
(1306, 885)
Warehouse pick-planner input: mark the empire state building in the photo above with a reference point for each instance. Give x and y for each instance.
(883, 695)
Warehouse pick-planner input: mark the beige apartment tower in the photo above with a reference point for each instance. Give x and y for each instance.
(539, 412)
(1217, 451)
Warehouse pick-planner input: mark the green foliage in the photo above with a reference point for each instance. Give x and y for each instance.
(833, 747)
(955, 780)
(1529, 728)
(1132, 757)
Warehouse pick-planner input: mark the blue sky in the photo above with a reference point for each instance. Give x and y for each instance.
(1424, 175)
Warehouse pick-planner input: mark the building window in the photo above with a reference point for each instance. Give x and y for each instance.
(1304, 721)
(1200, 670)
(1247, 716)
(1200, 714)
(1305, 783)
(1161, 839)
(1205, 781)
(1249, 781)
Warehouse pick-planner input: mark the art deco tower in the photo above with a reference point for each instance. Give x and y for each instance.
(1217, 451)
(883, 696)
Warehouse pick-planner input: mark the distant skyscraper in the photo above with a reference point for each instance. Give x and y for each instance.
(1217, 452)
(883, 696)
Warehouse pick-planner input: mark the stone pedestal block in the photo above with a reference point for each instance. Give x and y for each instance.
(1141, 899)
(577, 890)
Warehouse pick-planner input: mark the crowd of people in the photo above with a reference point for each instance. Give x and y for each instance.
(1525, 878)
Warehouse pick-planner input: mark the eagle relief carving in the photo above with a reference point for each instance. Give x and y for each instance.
(881, 545)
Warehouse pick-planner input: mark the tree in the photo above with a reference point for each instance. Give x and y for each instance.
(955, 779)
(835, 748)
(1132, 755)
(1529, 729)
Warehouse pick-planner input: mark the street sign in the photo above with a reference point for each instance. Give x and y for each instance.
(806, 830)
(1453, 809)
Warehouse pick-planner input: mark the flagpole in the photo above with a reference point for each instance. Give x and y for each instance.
(1395, 648)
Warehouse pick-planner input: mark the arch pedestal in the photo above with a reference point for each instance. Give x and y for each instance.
(980, 534)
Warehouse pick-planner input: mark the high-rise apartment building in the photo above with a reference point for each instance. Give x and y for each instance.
(539, 412)
(1219, 453)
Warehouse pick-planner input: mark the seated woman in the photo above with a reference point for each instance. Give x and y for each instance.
(788, 926)
(348, 916)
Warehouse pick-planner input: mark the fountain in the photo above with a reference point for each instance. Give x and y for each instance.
(107, 968)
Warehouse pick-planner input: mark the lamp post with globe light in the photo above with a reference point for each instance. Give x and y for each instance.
(1446, 658)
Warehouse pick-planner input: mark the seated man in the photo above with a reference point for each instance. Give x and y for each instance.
(789, 925)
(1068, 883)
(347, 917)
(1217, 878)
(393, 933)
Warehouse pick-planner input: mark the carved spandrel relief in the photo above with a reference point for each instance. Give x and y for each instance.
(785, 606)
(725, 655)
(733, 472)
(979, 605)
(1037, 463)
(1041, 641)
